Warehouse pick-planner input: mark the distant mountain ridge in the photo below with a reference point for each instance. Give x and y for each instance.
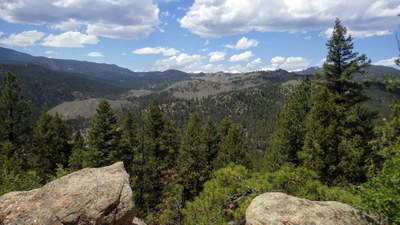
(97, 70)
(100, 72)
(374, 71)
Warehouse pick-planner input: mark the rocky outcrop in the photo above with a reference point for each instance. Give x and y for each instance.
(278, 208)
(88, 196)
(137, 221)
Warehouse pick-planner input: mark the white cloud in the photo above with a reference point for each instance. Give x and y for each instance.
(243, 43)
(70, 39)
(188, 63)
(67, 25)
(155, 50)
(167, 1)
(358, 34)
(245, 56)
(253, 63)
(50, 52)
(216, 56)
(289, 64)
(228, 17)
(277, 60)
(95, 54)
(24, 39)
(251, 66)
(182, 61)
(386, 62)
(105, 18)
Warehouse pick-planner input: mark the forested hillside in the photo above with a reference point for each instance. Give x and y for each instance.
(47, 88)
(201, 159)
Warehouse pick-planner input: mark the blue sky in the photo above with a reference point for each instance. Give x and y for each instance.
(198, 35)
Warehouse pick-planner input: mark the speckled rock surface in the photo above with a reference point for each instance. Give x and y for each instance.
(89, 196)
(276, 208)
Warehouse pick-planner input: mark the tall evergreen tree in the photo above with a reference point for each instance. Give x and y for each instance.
(341, 65)
(157, 154)
(324, 128)
(233, 147)
(288, 137)
(338, 126)
(14, 111)
(192, 159)
(211, 141)
(50, 145)
(104, 137)
(129, 140)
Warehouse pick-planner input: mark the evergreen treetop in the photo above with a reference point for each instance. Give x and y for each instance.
(341, 65)
(342, 62)
(104, 136)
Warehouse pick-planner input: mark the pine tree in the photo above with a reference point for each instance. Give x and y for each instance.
(324, 127)
(78, 152)
(192, 159)
(129, 140)
(14, 111)
(104, 137)
(156, 157)
(50, 145)
(211, 141)
(233, 147)
(288, 137)
(338, 126)
(341, 65)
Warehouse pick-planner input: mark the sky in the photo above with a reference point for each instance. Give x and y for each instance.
(198, 35)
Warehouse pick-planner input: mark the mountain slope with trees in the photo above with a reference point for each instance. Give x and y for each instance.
(47, 88)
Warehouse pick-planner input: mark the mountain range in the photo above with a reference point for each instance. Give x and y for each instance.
(72, 89)
(49, 82)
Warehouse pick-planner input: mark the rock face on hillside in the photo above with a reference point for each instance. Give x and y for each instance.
(278, 208)
(88, 196)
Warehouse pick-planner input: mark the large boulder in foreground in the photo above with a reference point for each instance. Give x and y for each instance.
(89, 196)
(276, 208)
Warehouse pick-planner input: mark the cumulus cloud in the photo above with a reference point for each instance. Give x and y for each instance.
(95, 54)
(277, 60)
(386, 62)
(253, 63)
(290, 64)
(358, 34)
(228, 17)
(155, 50)
(243, 43)
(181, 61)
(251, 66)
(24, 39)
(70, 39)
(216, 56)
(106, 18)
(245, 56)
